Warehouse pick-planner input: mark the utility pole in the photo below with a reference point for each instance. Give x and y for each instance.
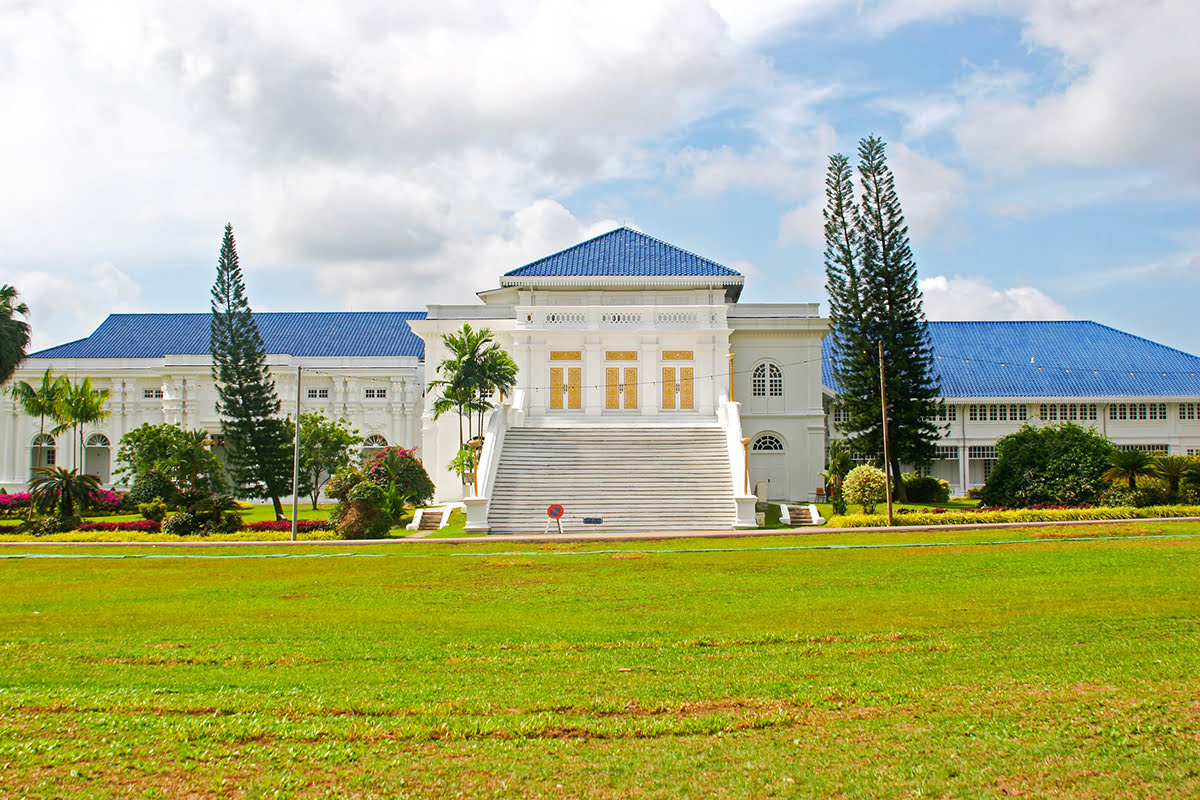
(296, 457)
(887, 462)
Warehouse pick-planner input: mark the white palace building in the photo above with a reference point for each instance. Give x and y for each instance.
(643, 387)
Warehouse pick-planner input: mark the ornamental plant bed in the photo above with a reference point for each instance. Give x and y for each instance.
(994, 515)
(139, 525)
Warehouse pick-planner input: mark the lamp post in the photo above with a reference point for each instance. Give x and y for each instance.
(731, 377)
(746, 446)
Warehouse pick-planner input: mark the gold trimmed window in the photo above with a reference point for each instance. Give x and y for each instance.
(677, 355)
(566, 355)
(621, 355)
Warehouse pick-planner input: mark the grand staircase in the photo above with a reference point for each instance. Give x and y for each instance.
(614, 479)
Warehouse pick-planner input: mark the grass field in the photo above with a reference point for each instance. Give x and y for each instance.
(1014, 663)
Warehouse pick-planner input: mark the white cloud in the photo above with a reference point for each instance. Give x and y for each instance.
(929, 191)
(464, 264)
(971, 298)
(1126, 83)
(336, 136)
(64, 307)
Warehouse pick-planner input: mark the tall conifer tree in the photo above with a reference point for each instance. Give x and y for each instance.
(871, 278)
(256, 439)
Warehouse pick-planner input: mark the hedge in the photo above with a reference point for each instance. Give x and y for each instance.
(1012, 515)
(155, 538)
(141, 525)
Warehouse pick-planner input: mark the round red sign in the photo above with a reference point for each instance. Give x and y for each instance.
(555, 511)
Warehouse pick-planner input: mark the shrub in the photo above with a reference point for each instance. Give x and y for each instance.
(865, 486)
(302, 525)
(57, 525)
(363, 516)
(149, 485)
(399, 469)
(367, 492)
(925, 489)
(220, 523)
(342, 482)
(139, 525)
(1142, 497)
(988, 516)
(154, 511)
(105, 501)
(1053, 464)
(837, 498)
(12, 503)
(975, 493)
(181, 523)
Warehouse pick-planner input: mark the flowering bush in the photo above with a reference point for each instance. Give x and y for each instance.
(1018, 515)
(10, 503)
(865, 486)
(139, 525)
(302, 525)
(106, 501)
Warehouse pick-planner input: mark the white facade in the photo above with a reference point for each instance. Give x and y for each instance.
(381, 397)
(972, 427)
(621, 330)
(621, 352)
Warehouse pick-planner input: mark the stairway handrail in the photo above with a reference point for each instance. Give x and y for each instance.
(730, 421)
(489, 455)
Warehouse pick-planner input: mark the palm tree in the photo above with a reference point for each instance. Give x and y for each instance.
(81, 405)
(1172, 469)
(1129, 465)
(14, 333)
(464, 375)
(839, 463)
(193, 467)
(62, 489)
(499, 374)
(44, 401)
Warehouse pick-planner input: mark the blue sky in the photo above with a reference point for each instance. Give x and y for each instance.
(388, 155)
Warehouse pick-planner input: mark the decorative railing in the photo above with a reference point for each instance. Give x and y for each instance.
(620, 319)
(565, 319)
(677, 319)
(641, 317)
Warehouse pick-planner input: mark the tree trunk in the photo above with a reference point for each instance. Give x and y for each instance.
(279, 516)
(898, 493)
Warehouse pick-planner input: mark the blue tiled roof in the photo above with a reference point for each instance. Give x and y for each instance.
(1051, 359)
(622, 253)
(298, 333)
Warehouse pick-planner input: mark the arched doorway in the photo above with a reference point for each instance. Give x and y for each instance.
(42, 453)
(97, 458)
(372, 445)
(768, 464)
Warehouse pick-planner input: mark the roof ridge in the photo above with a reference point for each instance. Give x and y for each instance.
(622, 245)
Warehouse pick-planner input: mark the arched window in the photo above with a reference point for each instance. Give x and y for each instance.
(372, 445)
(41, 452)
(767, 443)
(767, 380)
(98, 440)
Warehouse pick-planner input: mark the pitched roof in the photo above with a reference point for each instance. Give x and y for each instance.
(622, 253)
(1051, 359)
(297, 333)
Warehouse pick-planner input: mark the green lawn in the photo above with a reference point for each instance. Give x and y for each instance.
(733, 668)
